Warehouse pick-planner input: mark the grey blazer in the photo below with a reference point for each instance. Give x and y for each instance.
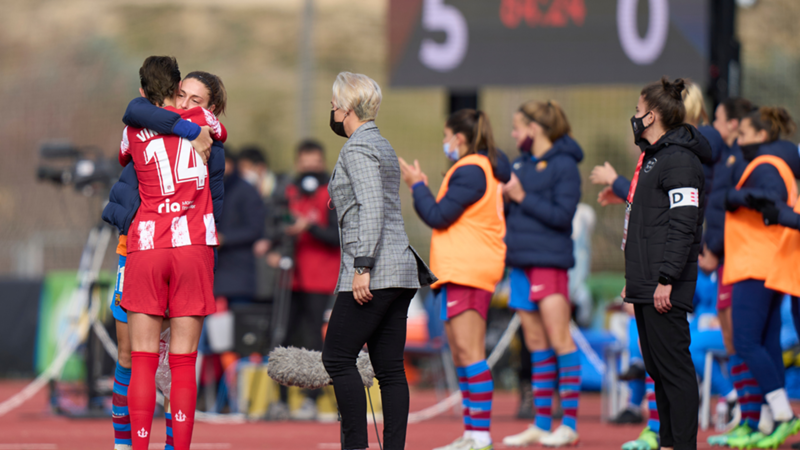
(365, 189)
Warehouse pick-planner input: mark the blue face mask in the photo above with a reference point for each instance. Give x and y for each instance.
(451, 153)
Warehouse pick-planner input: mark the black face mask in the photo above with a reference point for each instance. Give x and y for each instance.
(338, 127)
(527, 145)
(637, 123)
(309, 182)
(749, 152)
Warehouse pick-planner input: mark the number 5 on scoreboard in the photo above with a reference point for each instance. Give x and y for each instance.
(186, 155)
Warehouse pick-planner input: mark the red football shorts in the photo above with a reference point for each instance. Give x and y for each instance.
(456, 299)
(546, 281)
(179, 279)
(724, 291)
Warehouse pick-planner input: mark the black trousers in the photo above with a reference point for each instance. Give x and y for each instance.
(381, 324)
(306, 317)
(665, 343)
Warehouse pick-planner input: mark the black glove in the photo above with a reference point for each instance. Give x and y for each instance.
(758, 204)
(770, 213)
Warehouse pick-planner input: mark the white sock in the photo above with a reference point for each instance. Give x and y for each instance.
(467, 434)
(481, 438)
(766, 424)
(732, 396)
(778, 402)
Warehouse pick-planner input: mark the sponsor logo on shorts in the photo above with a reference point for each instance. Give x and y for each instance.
(537, 288)
(451, 304)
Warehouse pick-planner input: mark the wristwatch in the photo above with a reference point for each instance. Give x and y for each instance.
(665, 280)
(362, 270)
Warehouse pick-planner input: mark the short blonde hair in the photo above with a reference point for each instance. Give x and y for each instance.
(695, 105)
(358, 93)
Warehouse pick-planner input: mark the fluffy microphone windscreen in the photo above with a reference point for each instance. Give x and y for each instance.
(291, 366)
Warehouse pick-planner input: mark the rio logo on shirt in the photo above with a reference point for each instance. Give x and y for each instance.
(168, 207)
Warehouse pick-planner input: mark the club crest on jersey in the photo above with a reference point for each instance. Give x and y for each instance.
(730, 161)
(142, 433)
(146, 134)
(650, 164)
(180, 417)
(541, 165)
(169, 207)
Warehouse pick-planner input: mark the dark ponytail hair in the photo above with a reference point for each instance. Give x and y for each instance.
(737, 108)
(218, 96)
(775, 120)
(475, 127)
(667, 98)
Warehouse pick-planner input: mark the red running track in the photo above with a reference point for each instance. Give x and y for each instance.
(33, 427)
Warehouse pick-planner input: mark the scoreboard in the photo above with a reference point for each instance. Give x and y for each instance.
(471, 43)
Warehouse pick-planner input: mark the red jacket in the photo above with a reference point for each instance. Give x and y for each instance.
(316, 262)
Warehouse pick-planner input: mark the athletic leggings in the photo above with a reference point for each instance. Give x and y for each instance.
(757, 332)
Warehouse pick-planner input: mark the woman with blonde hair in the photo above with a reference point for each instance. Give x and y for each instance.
(543, 195)
(379, 273)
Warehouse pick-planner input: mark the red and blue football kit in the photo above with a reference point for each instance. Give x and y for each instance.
(170, 257)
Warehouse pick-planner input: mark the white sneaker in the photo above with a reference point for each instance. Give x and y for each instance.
(461, 443)
(306, 411)
(563, 436)
(122, 447)
(533, 435)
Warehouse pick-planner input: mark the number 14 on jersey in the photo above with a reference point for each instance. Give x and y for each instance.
(187, 168)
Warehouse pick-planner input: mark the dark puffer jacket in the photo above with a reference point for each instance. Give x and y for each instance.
(539, 230)
(666, 218)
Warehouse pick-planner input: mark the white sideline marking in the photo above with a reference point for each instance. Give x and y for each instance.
(338, 445)
(28, 446)
(196, 446)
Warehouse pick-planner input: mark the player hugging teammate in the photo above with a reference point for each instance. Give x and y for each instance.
(169, 243)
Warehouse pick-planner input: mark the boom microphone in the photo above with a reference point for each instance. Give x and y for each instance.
(292, 366)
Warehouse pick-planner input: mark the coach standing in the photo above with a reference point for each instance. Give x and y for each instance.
(379, 273)
(664, 223)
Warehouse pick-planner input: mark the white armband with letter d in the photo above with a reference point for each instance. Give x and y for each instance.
(684, 197)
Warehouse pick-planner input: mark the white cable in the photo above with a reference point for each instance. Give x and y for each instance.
(455, 398)
(583, 345)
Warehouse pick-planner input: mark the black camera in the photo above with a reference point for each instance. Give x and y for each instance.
(86, 168)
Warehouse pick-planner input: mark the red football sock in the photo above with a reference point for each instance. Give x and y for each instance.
(183, 398)
(142, 397)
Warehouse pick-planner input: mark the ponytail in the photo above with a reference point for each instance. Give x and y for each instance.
(476, 128)
(775, 120)
(694, 104)
(218, 96)
(667, 98)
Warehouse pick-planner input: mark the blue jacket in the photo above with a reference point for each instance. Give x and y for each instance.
(466, 186)
(539, 230)
(765, 180)
(241, 225)
(124, 199)
(727, 172)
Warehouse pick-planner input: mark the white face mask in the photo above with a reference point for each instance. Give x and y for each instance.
(450, 151)
(250, 176)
